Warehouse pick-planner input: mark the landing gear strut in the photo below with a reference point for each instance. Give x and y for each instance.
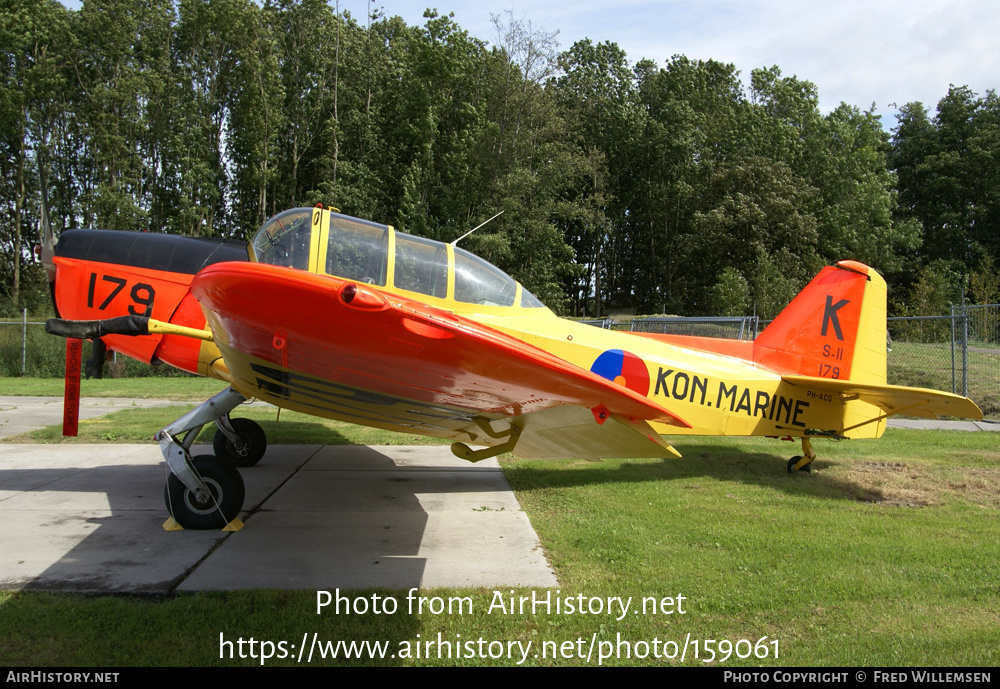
(804, 461)
(204, 492)
(463, 451)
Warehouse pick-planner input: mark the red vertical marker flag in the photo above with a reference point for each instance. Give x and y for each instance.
(71, 398)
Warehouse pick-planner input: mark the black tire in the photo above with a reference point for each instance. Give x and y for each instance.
(251, 434)
(224, 483)
(793, 461)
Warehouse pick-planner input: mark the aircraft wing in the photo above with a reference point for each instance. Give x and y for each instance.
(894, 399)
(345, 350)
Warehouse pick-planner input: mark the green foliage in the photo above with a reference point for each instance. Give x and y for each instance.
(773, 283)
(949, 181)
(33, 352)
(858, 192)
(731, 294)
(754, 213)
(937, 287)
(984, 283)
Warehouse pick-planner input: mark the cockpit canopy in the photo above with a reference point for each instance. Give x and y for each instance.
(321, 241)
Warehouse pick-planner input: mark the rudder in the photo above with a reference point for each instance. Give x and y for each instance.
(835, 328)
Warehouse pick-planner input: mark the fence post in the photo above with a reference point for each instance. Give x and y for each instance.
(954, 389)
(24, 341)
(965, 348)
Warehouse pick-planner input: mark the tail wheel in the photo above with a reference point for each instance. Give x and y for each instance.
(254, 443)
(223, 505)
(795, 460)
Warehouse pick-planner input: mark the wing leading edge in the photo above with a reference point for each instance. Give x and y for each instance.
(366, 356)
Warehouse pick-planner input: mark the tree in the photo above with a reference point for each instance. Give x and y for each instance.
(947, 176)
(121, 59)
(984, 283)
(596, 95)
(753, 220)
(192, 195)
(731, 294)
(856, 213)
(255, 119)
(308, 38)
(32, 35)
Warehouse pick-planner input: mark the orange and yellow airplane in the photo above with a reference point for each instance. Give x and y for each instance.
(347, 319)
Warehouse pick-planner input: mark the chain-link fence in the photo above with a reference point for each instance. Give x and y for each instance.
(729, 327)
(957, 353)
(603, 323)
(27, 350)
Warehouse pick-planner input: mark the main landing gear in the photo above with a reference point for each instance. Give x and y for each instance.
(804, 461)
(207, 492)
(241, 441)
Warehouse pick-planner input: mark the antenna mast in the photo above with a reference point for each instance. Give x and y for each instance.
(455, 243)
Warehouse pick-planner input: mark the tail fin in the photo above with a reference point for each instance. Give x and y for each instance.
(834, 328)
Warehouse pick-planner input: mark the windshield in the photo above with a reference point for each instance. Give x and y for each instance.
(284, 239)
(421, 265)
(479, 282)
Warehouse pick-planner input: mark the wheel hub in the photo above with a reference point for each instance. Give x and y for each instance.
(210, 502)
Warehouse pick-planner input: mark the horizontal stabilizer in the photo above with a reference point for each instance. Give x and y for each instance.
(894, 399)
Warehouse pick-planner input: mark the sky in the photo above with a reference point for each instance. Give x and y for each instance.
(862, 52)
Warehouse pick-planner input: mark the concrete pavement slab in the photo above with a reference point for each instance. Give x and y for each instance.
(389, 516)
(88, 518)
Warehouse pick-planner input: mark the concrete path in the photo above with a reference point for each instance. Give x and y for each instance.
(22, 414)
(88, 518)
(934, 424)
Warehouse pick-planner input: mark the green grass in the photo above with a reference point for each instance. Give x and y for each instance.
(159, 387)
(887, 555)
(287, 428)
